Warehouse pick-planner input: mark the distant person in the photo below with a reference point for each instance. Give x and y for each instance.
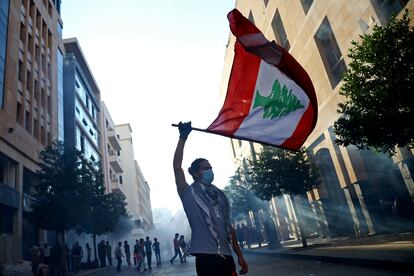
(240, 236)
(46, 253)
(136, 252)
(148, 251)
(177, 251)
(118, 255)
(183, 247)
(102, 253)
(56, 266)
(35, 253)
(109, 253)
(141, 254)
(207, 209)
(77, 254)
(247, 235)
(127, 253)
(88, 253)
(156, 248)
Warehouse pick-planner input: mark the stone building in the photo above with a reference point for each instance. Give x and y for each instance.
(358, 187)
(31, 90)
(136, 188)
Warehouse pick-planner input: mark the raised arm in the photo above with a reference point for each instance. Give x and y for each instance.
(182, 185)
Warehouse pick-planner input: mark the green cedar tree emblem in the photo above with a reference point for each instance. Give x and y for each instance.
(279, 103)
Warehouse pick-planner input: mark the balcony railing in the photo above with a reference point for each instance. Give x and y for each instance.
(115, 162)
(113, 139)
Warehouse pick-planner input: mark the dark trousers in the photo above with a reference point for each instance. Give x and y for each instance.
(109, 258)
(128, 258)
(158, 257)
(212, 264)
(149, 258)
(119, 262)
(177, 253)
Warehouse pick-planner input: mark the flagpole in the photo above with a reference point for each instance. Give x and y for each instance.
(195, 128)
(240, 138)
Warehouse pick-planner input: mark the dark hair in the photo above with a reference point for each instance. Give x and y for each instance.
(195, 166)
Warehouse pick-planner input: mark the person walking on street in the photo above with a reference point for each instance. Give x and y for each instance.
(177, 250)
(102, 253)
(77, 254)
(109, 253)
(118, 255)
(35, 253)
(208, 212)
(56, 266)
(127, 253)
(136, 252)
(141, 254)
(88, 253)
(183, 247)
(148, 251)
(156, 248)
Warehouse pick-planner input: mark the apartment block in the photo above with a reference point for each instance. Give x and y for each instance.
(136, 188)
(358, 186)
(31, 60)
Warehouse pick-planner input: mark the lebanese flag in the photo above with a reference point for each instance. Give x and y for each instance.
(270, 97)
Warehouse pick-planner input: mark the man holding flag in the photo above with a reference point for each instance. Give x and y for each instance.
(208, 213)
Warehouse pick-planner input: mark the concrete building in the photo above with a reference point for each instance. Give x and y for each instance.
(81, 103)
(144, 198)
(111, 151)
(31, 60)
(358, 187)
(135, 186)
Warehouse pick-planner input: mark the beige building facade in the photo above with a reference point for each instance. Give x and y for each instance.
(29, 118)
(135, 186)
(111, 151)
(358, 187)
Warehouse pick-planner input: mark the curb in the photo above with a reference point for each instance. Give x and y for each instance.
(370, 263)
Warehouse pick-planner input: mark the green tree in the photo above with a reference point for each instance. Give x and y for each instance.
(379, 108)
(242, 200)
(103, 211)
(277, 171)
(57, 191)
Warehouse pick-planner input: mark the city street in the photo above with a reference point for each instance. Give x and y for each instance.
(261, 265)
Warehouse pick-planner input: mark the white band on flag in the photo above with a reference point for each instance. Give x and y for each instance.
(253, 40)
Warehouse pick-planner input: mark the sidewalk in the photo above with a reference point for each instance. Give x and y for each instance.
(395, 251)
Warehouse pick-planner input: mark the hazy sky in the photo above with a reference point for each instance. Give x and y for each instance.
(157, 63)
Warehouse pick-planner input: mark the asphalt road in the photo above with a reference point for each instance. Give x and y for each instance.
(258, 265)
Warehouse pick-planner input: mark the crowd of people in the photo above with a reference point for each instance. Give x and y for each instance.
(60, 259)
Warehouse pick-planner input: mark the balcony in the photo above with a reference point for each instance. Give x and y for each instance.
(115, 163)
(117, 187)
(114, 140)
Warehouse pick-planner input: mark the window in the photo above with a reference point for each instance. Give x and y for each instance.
(6, 219)
(21, 72)
(120, 179)
(306, 4)
(19, 113)
(266, 2)
(251, 19)
(27, 121)
(36, 129)
(330, 53)
(22, 33)
(385, 8)
(82, 144)
(279, 31)
(77, 110)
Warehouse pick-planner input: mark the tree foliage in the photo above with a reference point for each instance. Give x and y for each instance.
(379, 108)
(70, 194)
(241, 197)
(279, 171)
(58, 188)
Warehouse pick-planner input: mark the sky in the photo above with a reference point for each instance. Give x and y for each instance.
(157, 63)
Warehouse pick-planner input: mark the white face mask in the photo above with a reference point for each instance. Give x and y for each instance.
(207, 176)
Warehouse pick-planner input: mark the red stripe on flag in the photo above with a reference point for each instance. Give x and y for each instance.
(240, 92)
(302, 130)
(240, 25)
